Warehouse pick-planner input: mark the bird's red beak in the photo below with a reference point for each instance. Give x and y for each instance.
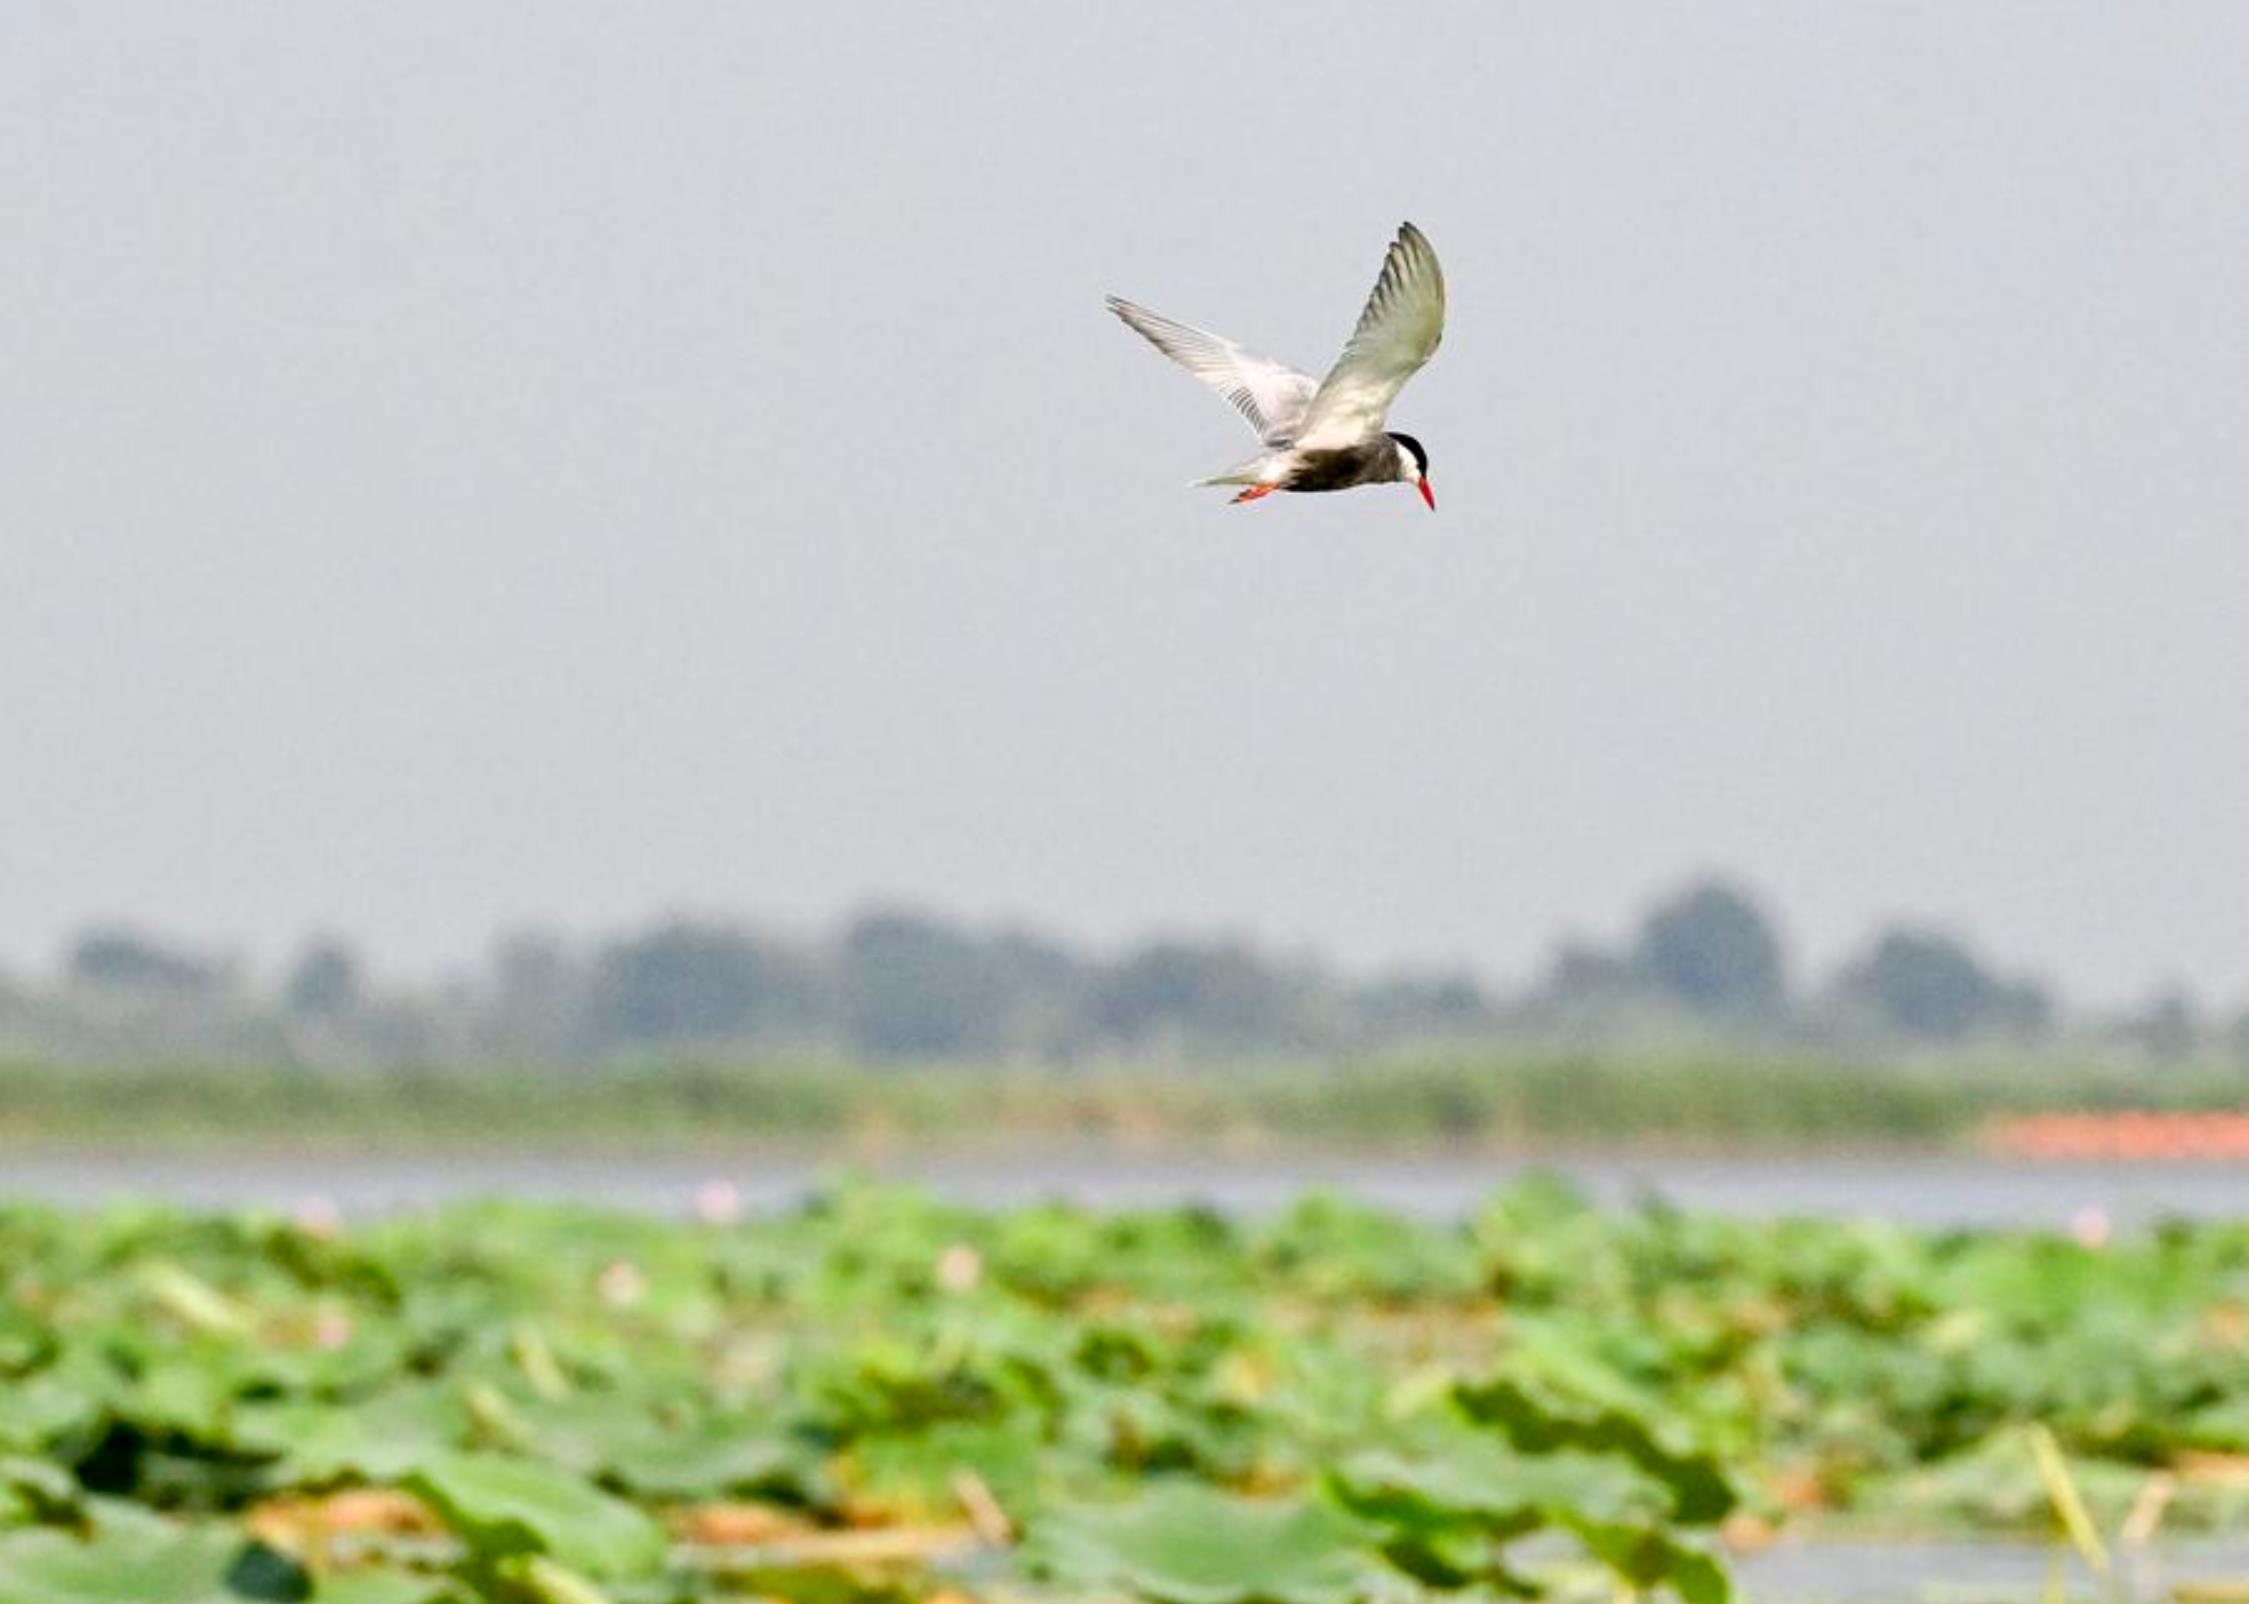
(1427, 494)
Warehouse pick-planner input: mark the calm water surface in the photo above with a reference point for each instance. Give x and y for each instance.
(1976, 1572)
(1921, 1190)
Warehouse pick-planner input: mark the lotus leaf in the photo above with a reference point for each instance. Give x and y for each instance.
(1183, 1543)
(502, 1507)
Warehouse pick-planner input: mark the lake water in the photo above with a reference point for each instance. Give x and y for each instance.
(1975, 1572)
(1916, 1190)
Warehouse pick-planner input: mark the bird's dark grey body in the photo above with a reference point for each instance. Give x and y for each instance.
(1374, 462)
(1366, 462)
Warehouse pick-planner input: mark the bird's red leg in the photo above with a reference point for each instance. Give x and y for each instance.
(1252, 493)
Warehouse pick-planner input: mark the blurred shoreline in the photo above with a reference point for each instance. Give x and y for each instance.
(1462, 1104)
(2088, 1200)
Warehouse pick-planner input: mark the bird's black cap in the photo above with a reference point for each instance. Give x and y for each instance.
(1413, 447)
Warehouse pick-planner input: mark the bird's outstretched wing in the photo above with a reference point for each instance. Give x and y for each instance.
(1399, 330)
(1272, 395)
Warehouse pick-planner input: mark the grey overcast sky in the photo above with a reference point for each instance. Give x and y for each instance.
(468, 463)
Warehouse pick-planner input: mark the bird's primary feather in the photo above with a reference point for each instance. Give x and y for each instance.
(1271, 395)
(1398, 331)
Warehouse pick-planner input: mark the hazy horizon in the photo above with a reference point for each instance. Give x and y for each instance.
(1810, 973)
(549, 462)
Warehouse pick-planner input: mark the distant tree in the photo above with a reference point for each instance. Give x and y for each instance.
(534, 1000)
(117, 957)
(2167, 1028)
(1216, 993)
(1927, 985)
(1037, 964)
(915, 986)
(681, 982)
(325, 982)
(533, 971)
(1047, 986)
(1583, 977)
(1712, 949)
(1404, 1006)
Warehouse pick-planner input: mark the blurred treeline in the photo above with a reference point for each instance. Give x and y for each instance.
(1706, 968)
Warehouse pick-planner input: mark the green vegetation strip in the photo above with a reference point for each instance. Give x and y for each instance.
(1724, 1100)
(883, 1398)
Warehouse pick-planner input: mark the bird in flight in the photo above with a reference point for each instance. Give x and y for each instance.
(1324, 434)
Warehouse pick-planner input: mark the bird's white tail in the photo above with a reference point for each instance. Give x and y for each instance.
(1251, 472)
